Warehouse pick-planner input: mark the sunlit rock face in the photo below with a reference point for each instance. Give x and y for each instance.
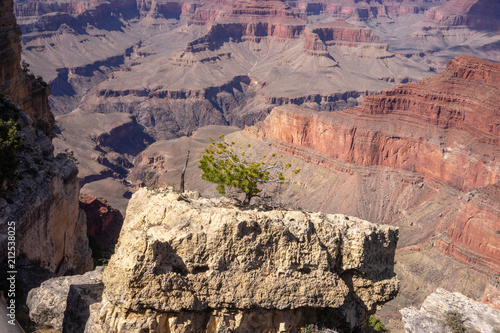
(185, 263)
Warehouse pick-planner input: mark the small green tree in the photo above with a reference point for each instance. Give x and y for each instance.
(228, 166)
(377, 324)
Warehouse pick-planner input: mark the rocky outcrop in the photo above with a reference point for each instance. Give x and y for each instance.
(340, 32)
(64, 303)
(17, 83)
(43, 204)
(442, 304)
(185, 264)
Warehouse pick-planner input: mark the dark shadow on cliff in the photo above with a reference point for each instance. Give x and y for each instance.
(80, 298)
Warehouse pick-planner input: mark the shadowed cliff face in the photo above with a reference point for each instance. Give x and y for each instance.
(43, 203)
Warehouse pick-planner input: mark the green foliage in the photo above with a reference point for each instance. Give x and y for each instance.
(26, 69)
(71, 155)
(229, 166)
(10, 142)
(455, 322)
(377, 324)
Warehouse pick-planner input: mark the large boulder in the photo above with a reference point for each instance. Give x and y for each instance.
(63, 303)
(189, 264)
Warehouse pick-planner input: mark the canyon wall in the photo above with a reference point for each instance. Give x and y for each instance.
(43, 203)
(475, 14)
(446, 129)
(185, 263)
(389, 129)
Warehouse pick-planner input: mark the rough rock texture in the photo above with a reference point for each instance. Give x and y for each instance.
(22, 88)
(63, 303)
(179, 254)
(103, 221)
(50, 227)
(432, 315)
(491, 294)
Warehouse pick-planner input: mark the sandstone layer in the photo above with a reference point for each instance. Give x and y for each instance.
(185, 264)
(431, 317)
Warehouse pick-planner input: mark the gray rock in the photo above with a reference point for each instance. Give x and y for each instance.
(63, 303)
(476, 316)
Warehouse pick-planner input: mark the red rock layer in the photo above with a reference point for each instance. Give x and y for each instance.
(39, 8)
(473, 236)
(103, 222)
(446, 127)
(362, 9)
(340, 31)
(18, 85)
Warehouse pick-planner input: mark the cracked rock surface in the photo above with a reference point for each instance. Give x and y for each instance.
(189, 264)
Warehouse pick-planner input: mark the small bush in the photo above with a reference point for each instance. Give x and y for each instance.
(455, 321)
(377, 324)
(229, 166)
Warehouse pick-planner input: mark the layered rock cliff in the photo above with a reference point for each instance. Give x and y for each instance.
(475, 14)
(386, 129)
(185, 264)
(441, 129)
(43, 203)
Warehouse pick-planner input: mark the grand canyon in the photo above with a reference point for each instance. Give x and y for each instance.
(390, 109)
